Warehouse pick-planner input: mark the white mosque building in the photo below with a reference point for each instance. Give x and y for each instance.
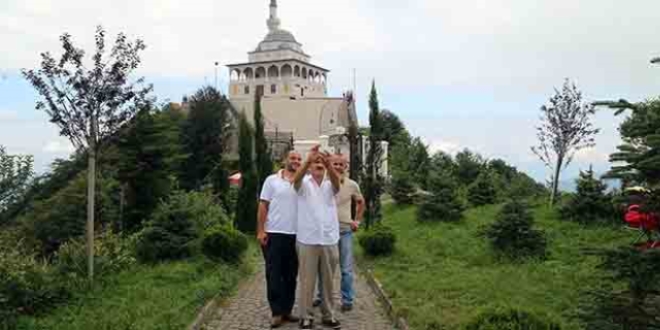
(294, 96)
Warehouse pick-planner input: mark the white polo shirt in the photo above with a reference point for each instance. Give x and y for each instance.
(317, 213)
(283, 204)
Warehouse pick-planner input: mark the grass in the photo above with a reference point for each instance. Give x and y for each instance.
(164, 296)
(442, 274)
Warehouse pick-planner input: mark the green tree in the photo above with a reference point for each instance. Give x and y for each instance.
(393, 130)
(483, 191)
(443, 162)
(419, 163)
(15, 174)
(150, 155)
(590, 203)
(263, 155)
(512, 234)
(373, 181)
(565, 129)
(402, 189)
(468, 166)
(246, 207)
(89, 105)
(206, 132)
(443, 203)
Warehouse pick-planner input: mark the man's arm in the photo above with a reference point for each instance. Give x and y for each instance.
(302, 170)
(359, 207)
(261, 222)
(332, 174)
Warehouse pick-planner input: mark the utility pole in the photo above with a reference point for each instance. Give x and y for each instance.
(216, 75)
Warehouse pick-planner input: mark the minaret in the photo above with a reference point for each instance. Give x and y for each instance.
(273, 22)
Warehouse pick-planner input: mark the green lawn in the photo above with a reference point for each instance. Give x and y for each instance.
(166, 296)
(442, 274)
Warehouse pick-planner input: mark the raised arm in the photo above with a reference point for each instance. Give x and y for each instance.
(332, 174)
(302, 170)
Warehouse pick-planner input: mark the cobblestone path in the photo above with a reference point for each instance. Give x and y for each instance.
(248, 309)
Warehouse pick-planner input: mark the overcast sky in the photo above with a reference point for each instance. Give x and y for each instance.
(470, 73)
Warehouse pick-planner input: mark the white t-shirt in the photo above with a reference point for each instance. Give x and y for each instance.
(283, 204)
(317, 213)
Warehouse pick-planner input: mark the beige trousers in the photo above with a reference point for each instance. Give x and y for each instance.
(311, 260)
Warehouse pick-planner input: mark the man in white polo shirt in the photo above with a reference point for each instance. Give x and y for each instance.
(276, 232)
(317, 235)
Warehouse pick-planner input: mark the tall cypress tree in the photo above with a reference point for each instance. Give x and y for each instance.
(263, 157)
(373, 181)
(246, 206)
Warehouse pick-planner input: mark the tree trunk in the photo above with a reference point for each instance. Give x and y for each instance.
(91, 190)
(555, 180)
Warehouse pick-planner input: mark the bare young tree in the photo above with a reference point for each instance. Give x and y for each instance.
(90, 104)
(565, 129)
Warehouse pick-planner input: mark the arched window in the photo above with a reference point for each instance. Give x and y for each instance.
(273, 72)
(304, 73)
(249, 74)
(296, 71)
(234, 75)
(286, 71)
(260, 73)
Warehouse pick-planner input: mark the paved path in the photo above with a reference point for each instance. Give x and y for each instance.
(248, 310)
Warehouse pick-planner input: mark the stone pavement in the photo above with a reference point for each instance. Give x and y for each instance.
(248, 310)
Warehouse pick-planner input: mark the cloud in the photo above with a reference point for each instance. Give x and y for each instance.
(59, 146)
(449, 147)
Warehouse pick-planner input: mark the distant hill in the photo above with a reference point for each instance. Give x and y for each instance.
(569, 185)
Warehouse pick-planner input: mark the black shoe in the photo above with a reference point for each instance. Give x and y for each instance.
(276, 322)
(332, 324)
(317, 302)
(306, 324)
(346, 307)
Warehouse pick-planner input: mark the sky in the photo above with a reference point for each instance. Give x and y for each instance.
(460, 74)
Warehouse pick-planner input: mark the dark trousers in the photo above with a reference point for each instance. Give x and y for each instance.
(281, 272)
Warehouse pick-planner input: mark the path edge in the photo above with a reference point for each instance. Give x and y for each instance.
(400, 322)
(206, 313)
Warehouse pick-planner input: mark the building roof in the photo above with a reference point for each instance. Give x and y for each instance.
(277, 61)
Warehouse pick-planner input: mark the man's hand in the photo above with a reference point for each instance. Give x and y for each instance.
(262, 237)
(313, 154)
(354, 225)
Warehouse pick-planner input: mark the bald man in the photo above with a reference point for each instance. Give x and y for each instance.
(349, 191)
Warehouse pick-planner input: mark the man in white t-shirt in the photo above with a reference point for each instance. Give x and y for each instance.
(276, 232)
(317, 235)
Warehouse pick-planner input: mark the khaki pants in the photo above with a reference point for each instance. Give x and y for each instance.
(311, 260)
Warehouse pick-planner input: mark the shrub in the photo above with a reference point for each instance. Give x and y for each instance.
(633, 306)
(590, 204)
(112, 254)
(443, 202)
(402, 190)
(482, 191)
(62, 216)
(224, 244)
(177, 224)
(510, 320)
(512, 234)
(378, 241)
(27, 286)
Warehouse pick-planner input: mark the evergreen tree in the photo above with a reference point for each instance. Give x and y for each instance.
(512, 234)
(402, 189)
(443, 203)
(565, 129)
(206, 132)
(468, 166)
(149, 155)
(393, 131)
(638, 158)
(483, 191)
(420, 163)
(246, 206)
(373, 181)
(590, 203)
(263, 155)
